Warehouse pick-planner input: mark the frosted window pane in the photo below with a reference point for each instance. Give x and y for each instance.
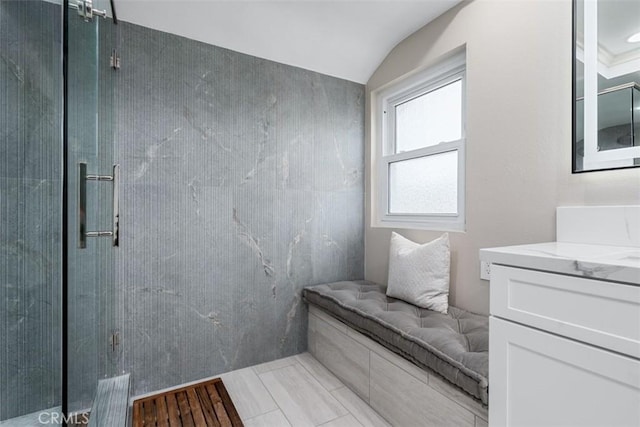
(430, 119)
(424, 185)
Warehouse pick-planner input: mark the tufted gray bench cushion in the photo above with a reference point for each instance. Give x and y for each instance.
(454, 345)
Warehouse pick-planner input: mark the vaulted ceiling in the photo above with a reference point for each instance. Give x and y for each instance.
(342, 38)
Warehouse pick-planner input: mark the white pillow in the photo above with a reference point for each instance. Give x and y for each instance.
(419, 274)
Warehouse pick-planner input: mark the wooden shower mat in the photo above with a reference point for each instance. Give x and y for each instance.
(200, 405)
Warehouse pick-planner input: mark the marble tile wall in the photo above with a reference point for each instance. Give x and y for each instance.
(30, 206)
(242, 183)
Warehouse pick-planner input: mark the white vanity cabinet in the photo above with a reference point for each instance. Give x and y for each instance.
(563, 350)
(564, 326)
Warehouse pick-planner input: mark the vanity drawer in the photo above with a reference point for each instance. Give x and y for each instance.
(602, 313)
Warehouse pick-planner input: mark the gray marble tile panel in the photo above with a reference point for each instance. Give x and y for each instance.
(295, 142)
(30, 205)
(17, 18)
(340, 228)
(30, 74)
(30, 277)
(338, 161)
(228, 214)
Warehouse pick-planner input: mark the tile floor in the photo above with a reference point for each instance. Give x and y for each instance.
(296, 391)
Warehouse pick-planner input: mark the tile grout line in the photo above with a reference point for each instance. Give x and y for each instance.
(338, 389)
(358, 419)
(267, 413)
(428, 384)
(344, 416)
(273, 398)
(316, 378)
(274, 369)
(321, 386)
(330, 394)
(330, 323)
(343, 385)
(384, 356)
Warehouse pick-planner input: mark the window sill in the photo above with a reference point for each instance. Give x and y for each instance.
(454, 227)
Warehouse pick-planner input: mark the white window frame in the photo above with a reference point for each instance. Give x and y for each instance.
(446, 72)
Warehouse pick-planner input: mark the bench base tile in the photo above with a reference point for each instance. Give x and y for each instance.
(403, 393)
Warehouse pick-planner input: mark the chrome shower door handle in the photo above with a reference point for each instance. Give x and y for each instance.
(115, 225)
(82, 205)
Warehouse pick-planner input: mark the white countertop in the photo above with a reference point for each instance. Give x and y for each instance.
(614, 263)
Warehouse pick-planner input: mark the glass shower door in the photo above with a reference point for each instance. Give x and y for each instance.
(93, 340)
(31, 100)
(38, 173)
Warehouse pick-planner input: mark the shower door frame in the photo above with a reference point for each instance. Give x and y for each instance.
(65, 209)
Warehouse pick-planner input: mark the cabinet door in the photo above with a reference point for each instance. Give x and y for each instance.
(540, 379)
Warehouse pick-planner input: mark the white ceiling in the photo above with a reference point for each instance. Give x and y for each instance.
(341, 38)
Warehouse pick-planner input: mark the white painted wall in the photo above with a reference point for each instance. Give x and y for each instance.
(518, 128)
(341, 38)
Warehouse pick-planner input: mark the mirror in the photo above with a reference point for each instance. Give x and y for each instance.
(606, 84)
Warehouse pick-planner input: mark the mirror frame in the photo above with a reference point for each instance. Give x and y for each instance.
(574, 68)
